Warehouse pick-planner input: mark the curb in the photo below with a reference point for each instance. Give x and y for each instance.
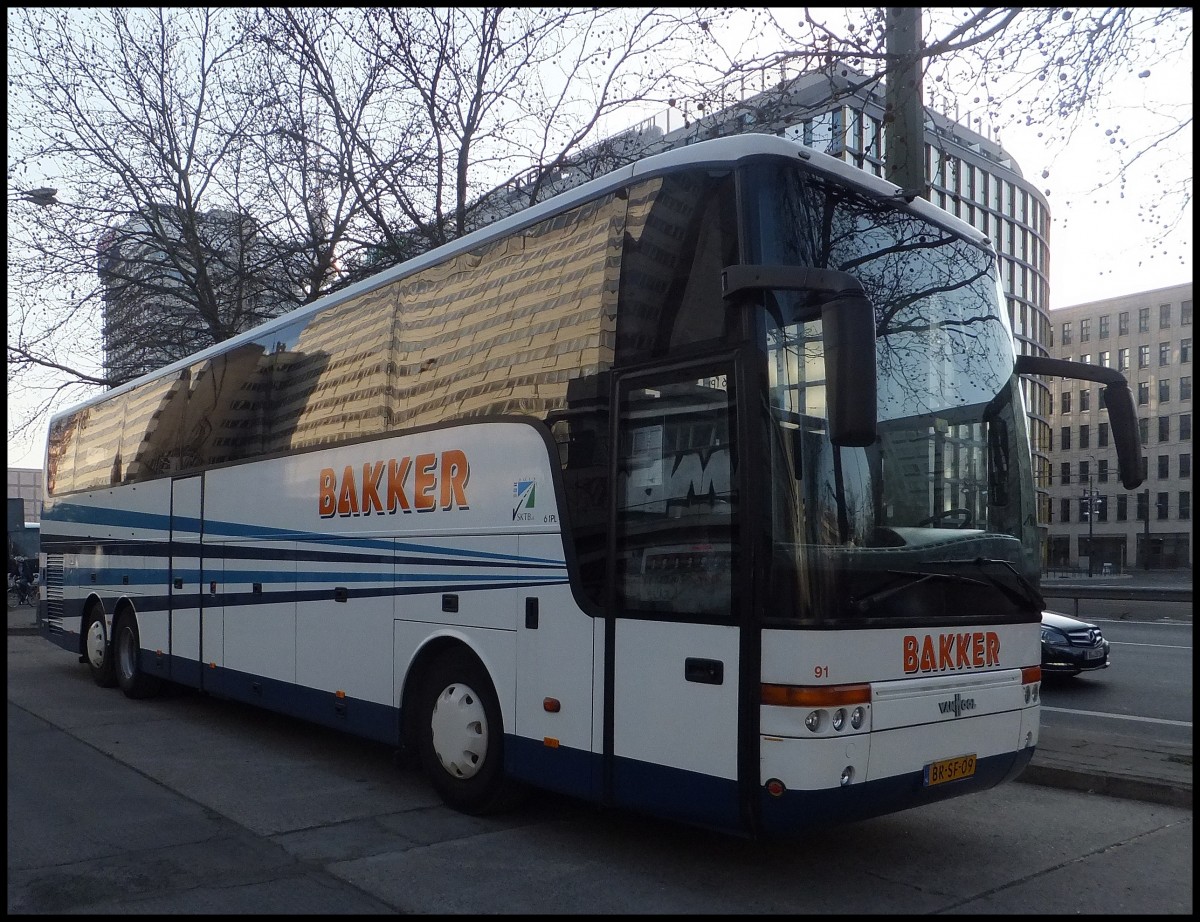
(1091, 783)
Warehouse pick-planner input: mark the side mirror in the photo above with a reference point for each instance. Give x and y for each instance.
(1122, 414)
(848, 331)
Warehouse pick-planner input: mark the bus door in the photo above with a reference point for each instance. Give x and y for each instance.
(184, 589)
(673, 635)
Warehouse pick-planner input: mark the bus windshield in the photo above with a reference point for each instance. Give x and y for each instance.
(936, 520)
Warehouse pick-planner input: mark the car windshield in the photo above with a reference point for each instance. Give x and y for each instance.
(935, 520)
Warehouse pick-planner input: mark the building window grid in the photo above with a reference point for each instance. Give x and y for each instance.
(1164, 316)
(1102, 329)
(1123, 323)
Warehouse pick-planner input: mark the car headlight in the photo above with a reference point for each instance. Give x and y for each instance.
(1053, 637)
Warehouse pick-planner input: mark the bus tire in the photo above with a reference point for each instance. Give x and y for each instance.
(460, 736)
(97, 649)
(134, 681)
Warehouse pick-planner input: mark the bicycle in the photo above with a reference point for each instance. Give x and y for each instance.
(27, 595)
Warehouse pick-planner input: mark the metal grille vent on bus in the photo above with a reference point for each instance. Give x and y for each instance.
(54, 585)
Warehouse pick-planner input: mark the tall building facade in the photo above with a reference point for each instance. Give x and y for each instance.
(25, 484)
(969, 175)
(1096, 522)
(151, 269)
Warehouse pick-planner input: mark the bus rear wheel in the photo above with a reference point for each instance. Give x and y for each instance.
(134, 681)
(97, 650)
(461, 736)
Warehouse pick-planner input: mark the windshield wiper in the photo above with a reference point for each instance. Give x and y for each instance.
(1031, 595)
(907, 580)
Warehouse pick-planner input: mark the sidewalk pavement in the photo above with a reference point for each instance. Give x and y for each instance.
(1116, 766)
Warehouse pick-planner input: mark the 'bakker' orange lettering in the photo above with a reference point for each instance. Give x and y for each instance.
(422, 483)
(972, 650)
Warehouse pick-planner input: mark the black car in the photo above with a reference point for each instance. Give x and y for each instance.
(1070, 646)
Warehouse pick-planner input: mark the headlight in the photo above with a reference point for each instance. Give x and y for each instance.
(1053, 637)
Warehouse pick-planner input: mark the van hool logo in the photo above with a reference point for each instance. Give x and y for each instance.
(525, 492)
(957, 705)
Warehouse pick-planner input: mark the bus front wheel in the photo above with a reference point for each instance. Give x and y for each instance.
(127, 648)
(461, 736)
(97, 650)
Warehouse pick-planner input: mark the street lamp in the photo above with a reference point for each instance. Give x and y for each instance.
(1089, 497)
(1146, 534)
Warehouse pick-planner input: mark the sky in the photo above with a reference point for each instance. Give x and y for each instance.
(1099, 245)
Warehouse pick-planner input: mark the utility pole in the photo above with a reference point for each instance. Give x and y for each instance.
(904, 116)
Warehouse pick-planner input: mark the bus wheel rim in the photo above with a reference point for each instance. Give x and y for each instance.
(125, 653)
(95, 643)
(460, 731)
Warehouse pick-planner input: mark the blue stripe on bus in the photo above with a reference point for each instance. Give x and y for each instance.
(182, 601)
(116, 549)
(124, 518)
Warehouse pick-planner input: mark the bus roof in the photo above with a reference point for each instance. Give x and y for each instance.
(716, 152)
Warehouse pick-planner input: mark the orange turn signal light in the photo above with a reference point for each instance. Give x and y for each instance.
(815, 696)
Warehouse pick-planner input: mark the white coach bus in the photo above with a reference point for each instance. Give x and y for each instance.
(703, 489)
